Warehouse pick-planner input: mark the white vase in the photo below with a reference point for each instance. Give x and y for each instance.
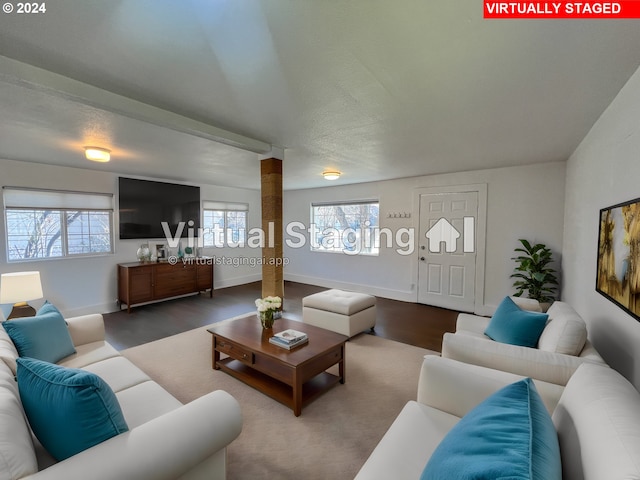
(266, 319)
(143, 253)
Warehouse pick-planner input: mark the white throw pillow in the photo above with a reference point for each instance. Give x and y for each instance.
(527, 304)
(566, 331)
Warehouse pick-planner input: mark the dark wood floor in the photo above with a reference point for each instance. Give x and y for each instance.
(411, 323)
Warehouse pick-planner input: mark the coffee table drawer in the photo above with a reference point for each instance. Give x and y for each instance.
(321, 363)
(235, 351)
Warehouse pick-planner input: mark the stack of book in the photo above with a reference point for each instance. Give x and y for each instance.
(289, 339)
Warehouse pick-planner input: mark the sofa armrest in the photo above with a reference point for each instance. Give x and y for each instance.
(166, 447)
(589, 353)
(467, 322)
(456, 387)
(530, 362)
(86, 329)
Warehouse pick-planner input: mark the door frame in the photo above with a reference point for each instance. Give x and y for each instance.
(480, 234)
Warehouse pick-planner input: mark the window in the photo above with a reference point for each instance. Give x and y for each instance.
(349, 228)
(52, 224)
(224, 224)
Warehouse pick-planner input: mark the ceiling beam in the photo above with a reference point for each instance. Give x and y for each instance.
(18, 73)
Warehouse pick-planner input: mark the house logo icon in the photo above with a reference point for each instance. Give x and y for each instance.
(444, 232)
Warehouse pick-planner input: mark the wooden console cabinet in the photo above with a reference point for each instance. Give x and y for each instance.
(142, 282)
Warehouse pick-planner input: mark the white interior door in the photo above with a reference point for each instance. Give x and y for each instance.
(447, 250)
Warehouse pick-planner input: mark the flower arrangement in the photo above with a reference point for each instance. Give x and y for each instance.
(266, 308)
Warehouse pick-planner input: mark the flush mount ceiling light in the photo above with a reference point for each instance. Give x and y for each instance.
(97, 154)
(331, 175)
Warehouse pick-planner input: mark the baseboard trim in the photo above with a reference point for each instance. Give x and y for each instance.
(402, 295)
(235, 281)
(89, 309)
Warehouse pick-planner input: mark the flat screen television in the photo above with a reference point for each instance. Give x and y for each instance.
(145, 204)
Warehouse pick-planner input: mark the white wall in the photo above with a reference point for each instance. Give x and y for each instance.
(603, 171)
(89, 284)
(523, 202)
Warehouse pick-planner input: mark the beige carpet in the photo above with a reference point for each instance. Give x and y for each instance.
(334, 435)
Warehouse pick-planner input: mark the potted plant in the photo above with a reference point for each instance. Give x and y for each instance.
(533, 273)
(267, 308)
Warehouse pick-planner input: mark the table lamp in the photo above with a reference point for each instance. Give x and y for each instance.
(18, 288)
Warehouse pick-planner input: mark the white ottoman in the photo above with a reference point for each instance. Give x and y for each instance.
(348, 313)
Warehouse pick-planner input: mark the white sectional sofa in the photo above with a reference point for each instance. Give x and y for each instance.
(165, 440)
(597, 418)
(562, 347)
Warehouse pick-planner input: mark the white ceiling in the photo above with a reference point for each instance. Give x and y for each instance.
(377, 89)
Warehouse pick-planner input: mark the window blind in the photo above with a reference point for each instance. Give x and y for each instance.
(239, 207)
(55, 199)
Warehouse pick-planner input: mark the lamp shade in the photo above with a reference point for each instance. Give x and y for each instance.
(20, 287)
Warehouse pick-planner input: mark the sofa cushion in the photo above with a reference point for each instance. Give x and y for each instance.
(17, 454)
(89, 353)
(510, 324)
(45, 336)
(566, 331)
(136, 407)
(597, 421)
(412, 437)
(508, 435)
(69, 410)
(118, 372)
(8, 352)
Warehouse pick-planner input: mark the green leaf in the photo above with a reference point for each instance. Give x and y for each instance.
(533, 272)
(526, 244)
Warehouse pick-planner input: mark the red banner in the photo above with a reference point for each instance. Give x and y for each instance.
(562, 10)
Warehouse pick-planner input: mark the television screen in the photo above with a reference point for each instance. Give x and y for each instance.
(144, 205)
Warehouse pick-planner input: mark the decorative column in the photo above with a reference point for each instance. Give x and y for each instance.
(271, 191)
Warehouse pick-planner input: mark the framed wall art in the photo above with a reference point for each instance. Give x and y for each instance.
(618, 269)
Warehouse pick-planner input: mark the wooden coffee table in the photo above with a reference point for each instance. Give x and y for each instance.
(292, 377)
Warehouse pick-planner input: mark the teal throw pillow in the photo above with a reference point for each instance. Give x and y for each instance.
(69, 410)
(45, 336)
(508, 436)
(510, 324)
(48, 308)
